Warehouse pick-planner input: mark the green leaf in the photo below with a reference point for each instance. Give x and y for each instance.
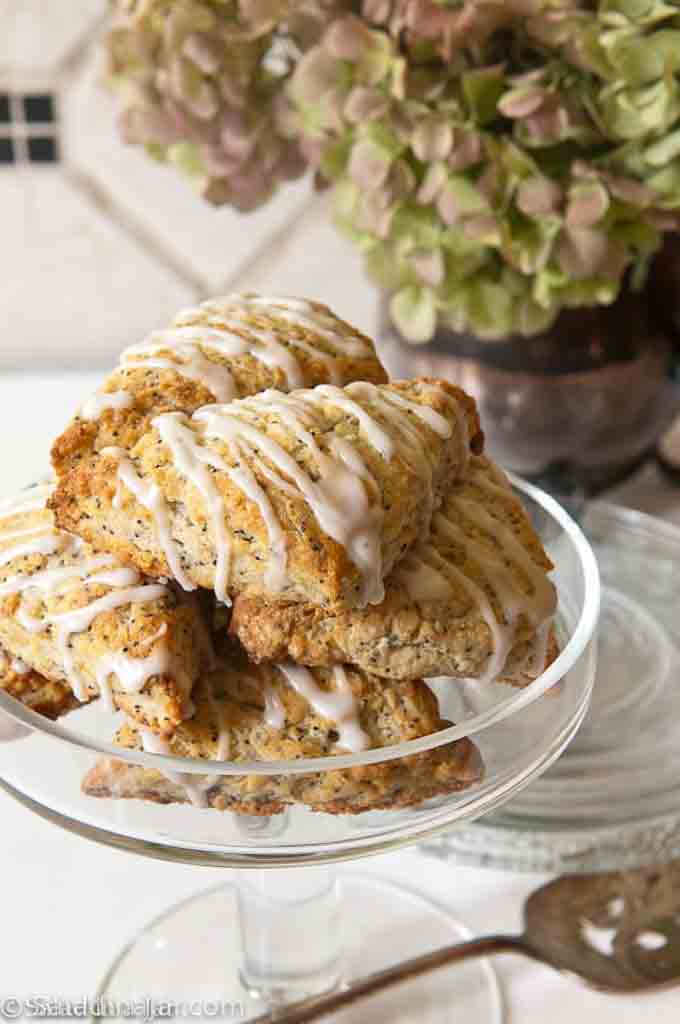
(482, 89)
(345, 198)
(490, 309)
(383, 268)
(667, 183)
(416, 228)
(185, 156)
(414, 312)
(382, 135)
(665, 150)
(334, 158)
(459, 197)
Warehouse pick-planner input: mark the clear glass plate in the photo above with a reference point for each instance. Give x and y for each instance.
(612, 799)
(280, 912)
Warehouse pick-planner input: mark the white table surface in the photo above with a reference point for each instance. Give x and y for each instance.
(68, 905)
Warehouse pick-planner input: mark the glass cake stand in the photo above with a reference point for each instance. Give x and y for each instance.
(612, 800)
(289, 926)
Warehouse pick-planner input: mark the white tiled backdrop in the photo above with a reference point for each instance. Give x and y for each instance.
(105, 245)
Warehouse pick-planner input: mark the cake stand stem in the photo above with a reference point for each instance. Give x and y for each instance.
(290, 932)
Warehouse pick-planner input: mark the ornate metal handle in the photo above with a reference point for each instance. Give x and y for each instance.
(311, 1009)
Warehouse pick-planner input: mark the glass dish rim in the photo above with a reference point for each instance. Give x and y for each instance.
(471, 728)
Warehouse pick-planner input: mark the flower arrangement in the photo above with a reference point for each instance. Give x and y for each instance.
(496, 161)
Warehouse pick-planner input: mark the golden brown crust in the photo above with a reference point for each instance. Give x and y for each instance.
(232, 703)
(153, 390)
(148, 649)
(521, 677)
(408, 782)
(318, 568)
(119, 780)
(34, 691)
(404, 637)
(404, 782)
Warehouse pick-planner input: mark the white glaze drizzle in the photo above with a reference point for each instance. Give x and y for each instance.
(430, 417)
(195, 787)
(52, 580)
(80, 619)
(348, 455)
(132, 674)
(536, 600)
(409, 440)
(338, 499)
(19, 666)
(186, 342)
(223, 750)
(120, 577)
(149, 496)
(296, 311)
(222, 336)
(501, 634)
(338, 705)
(101, 400)
(230, 335)
(44, 544)
(345, 509)
(541, 602)
(538, 651)
(26, 501)
(274, 710)
(421, 581)
(374, 433)
(192, 460)
(29, 622)
(30, 531)
(98, 570)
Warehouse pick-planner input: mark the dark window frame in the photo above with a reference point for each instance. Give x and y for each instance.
(29, 128)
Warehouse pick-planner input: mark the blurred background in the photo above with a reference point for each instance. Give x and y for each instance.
(102, 244)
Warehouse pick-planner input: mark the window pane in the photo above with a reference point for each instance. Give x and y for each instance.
(42, 150)
(39, 108)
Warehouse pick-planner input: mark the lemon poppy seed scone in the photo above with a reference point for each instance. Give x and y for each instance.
(275, 713)
(224, 349)
(309, 496)
(88, 623)
(44, 696)
(472, 600)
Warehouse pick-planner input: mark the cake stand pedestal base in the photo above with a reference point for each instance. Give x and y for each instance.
(190, 959)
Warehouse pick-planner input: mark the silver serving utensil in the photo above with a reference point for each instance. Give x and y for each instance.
(616, 932)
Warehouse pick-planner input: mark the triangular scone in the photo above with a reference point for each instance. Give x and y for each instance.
(274, 713)
(309, 496)
(85, 621)
(226, 348)
(473, 600)
(34, 691)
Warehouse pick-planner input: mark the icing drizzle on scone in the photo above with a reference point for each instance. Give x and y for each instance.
(224, 328)
(528, 593)
(333, 481)
(337, 705)
(77, 569)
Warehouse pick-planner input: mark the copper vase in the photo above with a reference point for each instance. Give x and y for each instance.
(577, 407)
